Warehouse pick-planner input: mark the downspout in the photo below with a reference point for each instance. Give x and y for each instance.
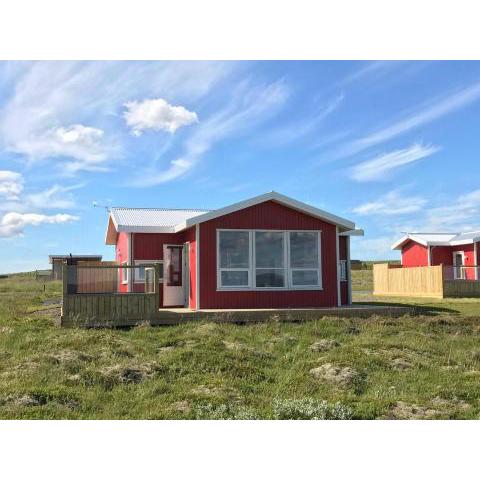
(339, 293)
(349, 276)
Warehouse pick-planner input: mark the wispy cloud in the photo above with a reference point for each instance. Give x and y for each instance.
(429, 112)
(13, 224)
(393, 203)
(57, 196)
(157, 114)
(299, 129)
(249, 106)
(380, 167)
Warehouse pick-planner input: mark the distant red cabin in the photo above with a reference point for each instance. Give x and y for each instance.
(269, 251)
(458, 251)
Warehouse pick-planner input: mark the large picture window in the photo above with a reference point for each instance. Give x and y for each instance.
(259, 259)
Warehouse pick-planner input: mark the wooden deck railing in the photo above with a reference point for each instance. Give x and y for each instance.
(94, 295)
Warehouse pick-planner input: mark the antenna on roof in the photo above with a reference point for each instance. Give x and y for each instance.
(97, 205)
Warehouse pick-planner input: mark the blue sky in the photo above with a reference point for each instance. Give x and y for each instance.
(391, 145)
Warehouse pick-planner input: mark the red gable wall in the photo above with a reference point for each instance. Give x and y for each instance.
(414, 255)
(267, 215)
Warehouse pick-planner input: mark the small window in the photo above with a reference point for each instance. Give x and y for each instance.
(343, 270)
(140, 271)
(124, 273)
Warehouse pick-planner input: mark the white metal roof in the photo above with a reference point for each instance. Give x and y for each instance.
(150, 219)
(438, 239)
(162, 220)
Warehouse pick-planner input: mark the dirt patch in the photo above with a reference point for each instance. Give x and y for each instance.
(401, 364)
(405, 411)
(344, 376)
(182, 406)
(129, 374)
(324, 345)
(453, 404)
(65, 356)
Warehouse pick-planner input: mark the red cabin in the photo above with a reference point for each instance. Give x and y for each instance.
(269, 251)
(456, 251)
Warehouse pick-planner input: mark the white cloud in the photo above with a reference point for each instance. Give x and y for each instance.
(11, 184)
(157, 114)
(393, 203)
(381, 166)
(13, 224)
(248, 107)
(81, 143)
(66, 113)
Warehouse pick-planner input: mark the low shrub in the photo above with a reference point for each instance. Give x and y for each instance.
(310, 409)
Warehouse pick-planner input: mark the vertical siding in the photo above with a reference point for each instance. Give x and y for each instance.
(268, 215)
(342, 244)
(121, 255)
(414, 255)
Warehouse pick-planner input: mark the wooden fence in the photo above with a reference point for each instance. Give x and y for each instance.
(409, 282)
(90, 280)
(433, 281)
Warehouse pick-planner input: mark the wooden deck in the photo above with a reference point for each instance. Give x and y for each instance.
(175, 316)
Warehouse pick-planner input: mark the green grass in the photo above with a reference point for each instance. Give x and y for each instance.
(413, 367)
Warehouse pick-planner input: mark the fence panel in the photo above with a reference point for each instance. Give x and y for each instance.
(415, 281)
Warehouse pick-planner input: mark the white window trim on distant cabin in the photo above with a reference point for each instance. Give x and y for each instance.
(287, 269)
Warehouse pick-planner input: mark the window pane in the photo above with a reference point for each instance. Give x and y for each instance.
(269, 249)
(234, 278)
(234, 249)
(270, 277)
(304, 277)
(304, 250)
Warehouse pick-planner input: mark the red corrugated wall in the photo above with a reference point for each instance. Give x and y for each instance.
(414, 255)
(444, 255)
(268, 215)
(342, 244)
(149, 246)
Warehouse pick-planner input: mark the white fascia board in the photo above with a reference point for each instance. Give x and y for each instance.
(357, 232)
(274, 196)
(465, 241)
(399, 243)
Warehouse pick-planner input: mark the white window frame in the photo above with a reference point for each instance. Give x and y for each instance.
(343, 270)
(125, 273)
(252, 264)
(145, 262)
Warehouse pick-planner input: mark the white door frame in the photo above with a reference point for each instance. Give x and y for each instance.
(173, 295)
(462, 270)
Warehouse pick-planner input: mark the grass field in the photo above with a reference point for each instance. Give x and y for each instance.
(427, 366)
